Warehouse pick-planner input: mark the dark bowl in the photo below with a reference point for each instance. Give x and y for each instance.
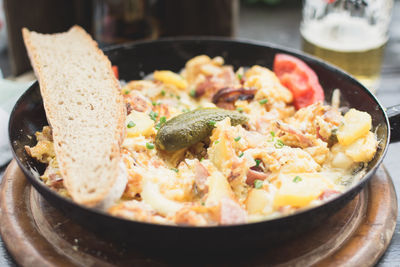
(137, 59)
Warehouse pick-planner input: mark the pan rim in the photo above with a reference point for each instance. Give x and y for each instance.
(365, 178)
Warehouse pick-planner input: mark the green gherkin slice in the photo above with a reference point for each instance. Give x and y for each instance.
(191, 127)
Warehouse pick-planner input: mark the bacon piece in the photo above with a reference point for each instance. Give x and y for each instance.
(138, 102)
(328, 193)
(128, 108)
(253, 175)
(200, 176)
(202, 87)
(291, 130)
(333, 116)
(231, 212)
(212, 83)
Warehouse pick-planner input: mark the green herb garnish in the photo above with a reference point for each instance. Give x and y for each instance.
(131, 124)
(297, 179)
(279, 143)
(149, 145)
(192, 93)
(272, 133)
(163, 119)
(239, 109)
(212, 123)
(175, 170)
(237, 139)
(163, 92)
(258, 184)
(126, 92)
(216, 142)
(257, 162)
(263, 101)
(153, 115)
(241, 154)
(240, 76)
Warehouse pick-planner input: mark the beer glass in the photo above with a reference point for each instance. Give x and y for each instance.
(350, 34)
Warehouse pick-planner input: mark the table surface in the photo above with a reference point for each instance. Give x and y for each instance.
(280, 25)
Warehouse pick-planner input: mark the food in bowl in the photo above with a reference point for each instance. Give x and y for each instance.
(216, 146)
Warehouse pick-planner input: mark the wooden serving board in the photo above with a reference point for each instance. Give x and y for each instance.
(36, 234)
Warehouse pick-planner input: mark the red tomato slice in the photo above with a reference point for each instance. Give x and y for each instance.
(300, 79)
(115, 70)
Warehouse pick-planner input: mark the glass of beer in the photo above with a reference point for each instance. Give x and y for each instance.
(350, 34)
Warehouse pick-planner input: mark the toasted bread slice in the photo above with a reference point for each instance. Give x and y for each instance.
(85, 109)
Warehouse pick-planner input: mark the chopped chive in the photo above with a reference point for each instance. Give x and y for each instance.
(263, 101)
(153, 115)
(297, 179)
(163, 92)
(257, 162)
(154, 103)
(178, 97)
(163, 119)
(126, 91)
(212, 123)
(203, 203)
(175, 170)
(184, 110)
(272, 133)
(237, 139)
(192, 93)
(279, 143)
(201, 159)
(131, 124)
(239, 109)
(240, 76)
(241, 154)
(258, 183)
(216, 142)
(149, 145)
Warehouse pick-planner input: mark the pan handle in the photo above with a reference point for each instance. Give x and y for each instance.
(394, 118)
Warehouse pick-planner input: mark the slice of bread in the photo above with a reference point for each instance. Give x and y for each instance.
(85, 109)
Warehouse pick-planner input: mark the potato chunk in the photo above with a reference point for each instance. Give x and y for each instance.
(218, 188)
(169, 77)
(356, 125)
(299, 189)
(139, 123)
(363, 149)
(257, 200)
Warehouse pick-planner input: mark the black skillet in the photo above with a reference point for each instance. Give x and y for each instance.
(136, 60)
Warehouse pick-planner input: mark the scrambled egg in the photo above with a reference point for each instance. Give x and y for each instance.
(283, 160)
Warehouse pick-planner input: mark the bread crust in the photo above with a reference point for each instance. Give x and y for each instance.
(65, 160)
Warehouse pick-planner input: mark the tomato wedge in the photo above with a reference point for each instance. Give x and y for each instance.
(115, 70)
(300, 79)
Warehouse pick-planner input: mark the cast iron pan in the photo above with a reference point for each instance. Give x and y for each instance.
(137, 59)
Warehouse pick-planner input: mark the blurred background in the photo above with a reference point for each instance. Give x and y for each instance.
(118, 21)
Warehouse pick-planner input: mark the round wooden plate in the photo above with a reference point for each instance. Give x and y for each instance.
(36, 234)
